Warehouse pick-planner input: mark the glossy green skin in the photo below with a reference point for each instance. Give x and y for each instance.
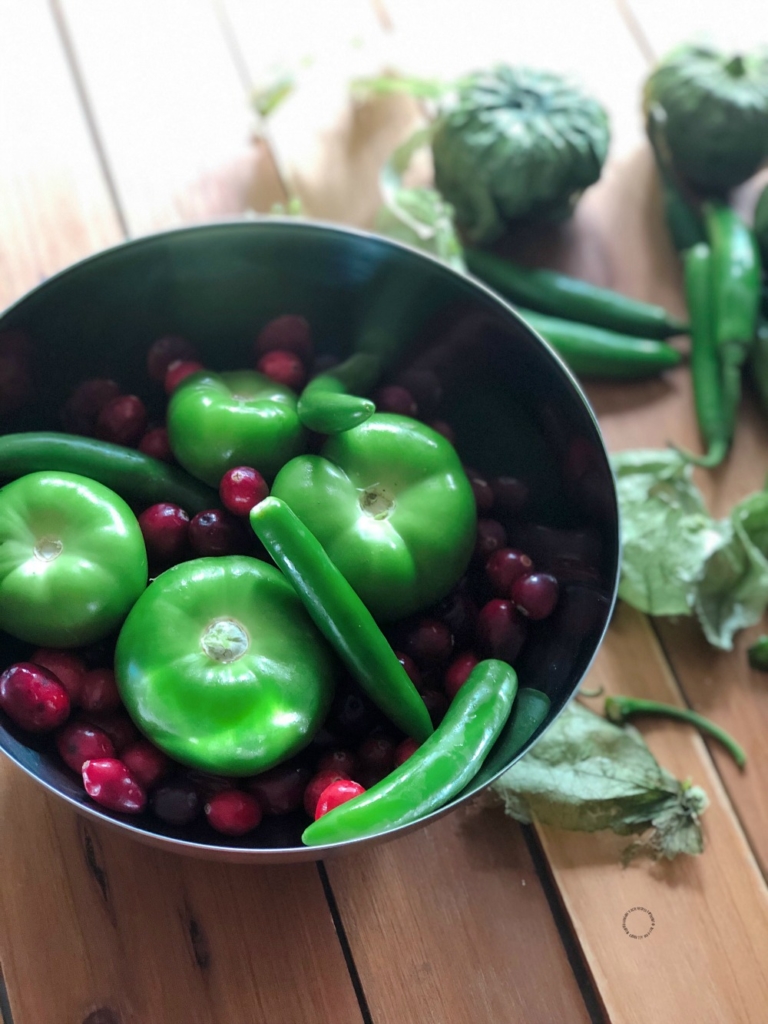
(217, 421)
(441, 767)
(232, 717)
(331, 403)
(72, 559)
(341, 616)
(391, 504)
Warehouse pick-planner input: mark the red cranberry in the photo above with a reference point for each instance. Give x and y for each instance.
(287, 333)
(99, 691)
(33, 697)
(176, 802)
(510, 495)
(109, 783)
(459, 613)
(377, 753)
(425, 387)
(206, 784)
(166, 350)
(441, 427)
(233, 812)
(500, 630)
(178, 371)
(166, 533)
(284, 368)
(68, 668)
(79, 742)
(117, 726)
(352, 715)
(122, 420)
(316, 785)
(437, 705)
(215, 532)
(395, 399)
(535, 595)
(429, 643)
(338, 760)
(145, 762)
(491, 536)
(504, 567)
(411, 668)
(86, 402)
(242, 488)
(458, 673)
(335, 794)
(156, 444)
(481, 489)
(404, 750)
(281, 789)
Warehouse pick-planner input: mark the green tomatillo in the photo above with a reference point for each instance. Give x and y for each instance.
(72, 559)
(391, 504)
(221, 667)
(217, 421)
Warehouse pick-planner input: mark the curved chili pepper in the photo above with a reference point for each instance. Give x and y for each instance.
(131, 474)
(531, 709)
(440, 768)
(681, 207)
(547, 291)
(340, 616)
(330, 404)
(594, 352)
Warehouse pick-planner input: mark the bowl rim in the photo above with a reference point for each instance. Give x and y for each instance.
(252, 854)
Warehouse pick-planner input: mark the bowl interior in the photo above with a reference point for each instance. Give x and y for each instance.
(515, 410)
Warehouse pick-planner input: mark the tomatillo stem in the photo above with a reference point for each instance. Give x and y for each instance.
(619, 709)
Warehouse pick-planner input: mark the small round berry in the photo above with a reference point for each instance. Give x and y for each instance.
(156, 444)
(86, 402)
(426, 388)
(68, 667)
(481, 490)
(118, 726)
(338, 760)
(241, 489)
(99, 691)
(504, 567)
(33, 697)
(233, 812)
(491, 536)
(411, 669)
(176, 803)
(510, 495)
(407, 748)
(436, 704)
(458, 673)
(316, 785)
(79, 742)
(395, 399)
(165, 529)
(500, 630)
(336, 794)
(284, 368)
(535, 595)
(281, 789)
(215, 532)
(459, 613)
(109, 783)
(352, 715)
(287, 333)
(169, 349)
(178, 371)
(122, 420)
(145, 762)
(429, 643)
(377, 753)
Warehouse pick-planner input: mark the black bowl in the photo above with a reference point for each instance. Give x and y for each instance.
(515, 408)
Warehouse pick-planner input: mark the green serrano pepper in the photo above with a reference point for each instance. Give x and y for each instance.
(759, 363)
(547, 291)
(330, 404)
(531, 709)
(440, 768)
(340, 616)
(131, 474)
(594, 352)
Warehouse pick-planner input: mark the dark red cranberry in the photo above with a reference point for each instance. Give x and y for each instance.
(316, 785)
(491, 536)
(425, 387)
(33, 697)
(215, 532)
(176, 802)
(411, 668)
(16, 386)
(535, 595)
(99, 692)
(233, 812)
(323, 739)
(500, 630)
(377, 753)
(109, 783)
(122, 420)
(445, 429)
(336, 794)
(67, 667)
(86, 402)
(241, 488)
(165, 529)
(504, 567)
(145, 762)
(430, 642)
(338, 760)
(156, 444)
(287, 333)
(407, 748)
(178, 371)
(352, 715)
(395, 399)
(437, 705)
(206, 784)
(481, 490)
(458, 673)
(510, 495)
(79, 742)
(166, 350)
(459, 613)
(281, 789)
(118, 726)
(283, 368)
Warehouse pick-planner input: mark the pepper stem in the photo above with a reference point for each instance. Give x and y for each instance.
(717, 452)
(735, 66)
(619, 709)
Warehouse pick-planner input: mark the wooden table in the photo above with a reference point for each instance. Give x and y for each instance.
(130, 116)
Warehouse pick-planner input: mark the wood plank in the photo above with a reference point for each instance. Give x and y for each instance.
(450, 925)
(667, 23)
